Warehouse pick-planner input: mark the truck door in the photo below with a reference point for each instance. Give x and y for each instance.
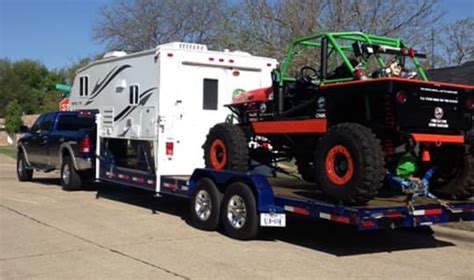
(31, 141)
(43, 142)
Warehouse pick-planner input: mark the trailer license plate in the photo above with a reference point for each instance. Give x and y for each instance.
(272, 220)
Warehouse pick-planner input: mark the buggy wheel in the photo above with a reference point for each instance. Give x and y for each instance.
(239, 212)
(205, 205)
(349, 163)
(23, 173)
(226, 148)
(454, 177)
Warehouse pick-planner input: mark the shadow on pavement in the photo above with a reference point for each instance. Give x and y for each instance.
(320, 235)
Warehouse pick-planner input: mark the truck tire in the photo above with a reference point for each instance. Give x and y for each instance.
(226, 148)
(206, 205)
(23, 173)
(454, 177)
(239, 212)
(349, 164)
(70, 178)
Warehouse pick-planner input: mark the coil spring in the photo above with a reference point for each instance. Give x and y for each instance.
(389, 123)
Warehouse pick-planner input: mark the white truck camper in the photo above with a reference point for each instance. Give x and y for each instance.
(155, 107)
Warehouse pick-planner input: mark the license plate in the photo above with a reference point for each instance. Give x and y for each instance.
(272, 220)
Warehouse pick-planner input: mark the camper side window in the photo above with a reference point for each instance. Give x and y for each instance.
(133, 99)
(83, 86)
(210, 94)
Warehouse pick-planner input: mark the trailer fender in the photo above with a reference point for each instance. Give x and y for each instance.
(259, 184)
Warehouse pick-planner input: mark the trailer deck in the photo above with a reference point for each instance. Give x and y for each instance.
(283, 196)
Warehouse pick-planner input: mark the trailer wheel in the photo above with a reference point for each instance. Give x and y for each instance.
(454, 177)
(226, 148)
(239, 212)
(23, 173)
(70, 178)
(349, 163)
(206, 205)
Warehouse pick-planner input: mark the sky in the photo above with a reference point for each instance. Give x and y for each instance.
(59, 32)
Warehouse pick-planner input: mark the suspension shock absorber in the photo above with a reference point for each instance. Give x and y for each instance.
(389, 124)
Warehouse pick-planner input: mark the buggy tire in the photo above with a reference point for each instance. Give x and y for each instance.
(349, 164)
(459, 185)
(206, 205)
(305, 169)
(226, 148)
(239, 212)
(70, 178)
(23, 171)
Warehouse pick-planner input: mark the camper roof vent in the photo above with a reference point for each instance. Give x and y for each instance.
(241, 53)
(114, 54)
(184, 46)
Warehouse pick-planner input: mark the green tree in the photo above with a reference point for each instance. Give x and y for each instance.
(30, 83)
(13, 117)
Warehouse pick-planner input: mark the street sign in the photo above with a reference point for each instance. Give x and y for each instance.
(64, 104)
(63, 88)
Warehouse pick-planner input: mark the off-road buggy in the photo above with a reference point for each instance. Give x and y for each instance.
(345, 107)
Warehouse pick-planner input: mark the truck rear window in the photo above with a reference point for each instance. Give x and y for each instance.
(73, 122)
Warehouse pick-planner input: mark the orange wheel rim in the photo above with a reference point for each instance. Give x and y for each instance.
(218, 154)
(339, 165)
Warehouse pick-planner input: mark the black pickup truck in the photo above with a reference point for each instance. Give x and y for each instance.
(62, 141)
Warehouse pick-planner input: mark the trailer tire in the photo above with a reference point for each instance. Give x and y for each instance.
(226, 148)
(70, 178)
(454, 181)
(23, 173)
(239, 212)
(206, 205)
(349, 163)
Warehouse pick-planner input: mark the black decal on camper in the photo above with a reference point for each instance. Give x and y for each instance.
(122, 113)
(100, 86)
(144, 96)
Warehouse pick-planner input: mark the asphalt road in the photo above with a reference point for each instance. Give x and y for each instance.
(46, 233)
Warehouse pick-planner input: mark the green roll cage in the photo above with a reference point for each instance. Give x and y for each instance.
(316, 41)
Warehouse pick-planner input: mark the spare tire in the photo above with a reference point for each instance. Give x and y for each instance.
(454, 176)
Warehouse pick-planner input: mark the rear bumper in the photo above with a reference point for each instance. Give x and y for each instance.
(439, 138)
(83, 163)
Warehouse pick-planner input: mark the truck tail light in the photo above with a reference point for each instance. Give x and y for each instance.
(401, 97)
(469, 103)
(169, 149)
(85, 145)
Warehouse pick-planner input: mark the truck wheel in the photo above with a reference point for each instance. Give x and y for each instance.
(454, 177)
(70, 179)
(23, 173)
(349, 163)
(239, 212)
(206, 205)
(226, 148)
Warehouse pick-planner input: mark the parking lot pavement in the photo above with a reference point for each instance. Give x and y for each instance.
(47, 233)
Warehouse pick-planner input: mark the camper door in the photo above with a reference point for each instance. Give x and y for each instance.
(200, 105)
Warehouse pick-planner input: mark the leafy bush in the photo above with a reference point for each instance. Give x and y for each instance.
(13, 115)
